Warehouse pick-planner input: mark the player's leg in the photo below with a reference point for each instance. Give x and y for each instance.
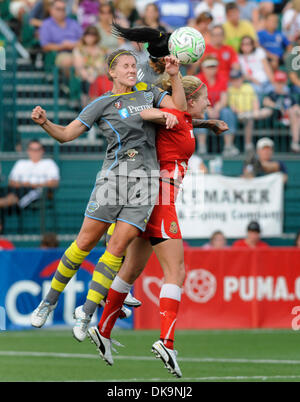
(89, 235)
(136, 258)
(171, 257)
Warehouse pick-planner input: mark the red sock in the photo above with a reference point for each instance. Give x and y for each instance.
(113, 305)
(168, 309)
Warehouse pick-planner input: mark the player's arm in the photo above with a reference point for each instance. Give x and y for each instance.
(60, 133)
(178, 99)
(159, 117)
(217, 126)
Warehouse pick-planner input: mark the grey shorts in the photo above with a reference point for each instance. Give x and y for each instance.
(130, 200)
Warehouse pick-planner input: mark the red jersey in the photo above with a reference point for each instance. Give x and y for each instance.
(214, 91)
(242, 243)
(226, 56)
(175, 146)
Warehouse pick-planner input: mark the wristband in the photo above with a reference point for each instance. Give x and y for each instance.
(43, 123)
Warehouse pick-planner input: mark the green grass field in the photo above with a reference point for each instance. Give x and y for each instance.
(248, 355)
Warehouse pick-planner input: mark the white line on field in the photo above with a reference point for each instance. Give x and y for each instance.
(145, 358)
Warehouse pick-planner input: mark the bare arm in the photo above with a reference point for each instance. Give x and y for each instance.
(159, 117)
(60, 133)
(178, 99)
(217, 126)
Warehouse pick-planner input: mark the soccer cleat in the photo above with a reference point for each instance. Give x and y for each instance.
(41, 313)
(81, 326)
(124, 313)
(131, 301)
(168, 356)
(103, 344)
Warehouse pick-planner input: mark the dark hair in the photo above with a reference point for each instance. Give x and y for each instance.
(231, 6)
(158, 41)
(252, 41)
(109, 5)
(91, 30)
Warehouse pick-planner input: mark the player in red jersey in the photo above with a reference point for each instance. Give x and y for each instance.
(174, 147)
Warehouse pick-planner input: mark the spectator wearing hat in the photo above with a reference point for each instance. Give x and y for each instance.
(235, 28)
(213, 7)
(252, 239)
(262, 162)
(285, 107)
(292, 64)
(274, 42)
(216, 89)
(244, 102)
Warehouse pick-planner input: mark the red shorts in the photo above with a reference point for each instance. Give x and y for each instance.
(163, 221)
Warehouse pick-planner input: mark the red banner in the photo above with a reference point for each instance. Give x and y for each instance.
(228, 289)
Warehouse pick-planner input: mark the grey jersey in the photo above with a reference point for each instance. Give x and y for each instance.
(131, 140)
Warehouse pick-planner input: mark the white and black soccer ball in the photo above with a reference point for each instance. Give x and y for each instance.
(187, 44)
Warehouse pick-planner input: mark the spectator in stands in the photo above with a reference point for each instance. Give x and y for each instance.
(39, 12)
(285, 107)
(126, 12)
(213, 7)
(89, 61)
(244, 102)
(297, 240)
(108, 40)
(49, 240)
(151, 18)
(176, 13)
(255, 66)
(235, 28)
(253, 238)
(271, 39)
(262, 162)
(29, 176)
(60, 34)
(291, 20)
(217, 241)
(18, 8)
(86, 12)
(216, 88)
(292, 63)
(248, 11)
(203, 23)
(226, 55)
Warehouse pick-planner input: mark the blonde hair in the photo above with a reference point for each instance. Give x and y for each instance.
(191, 85)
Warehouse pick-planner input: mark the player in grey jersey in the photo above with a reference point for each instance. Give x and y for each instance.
(129, 161)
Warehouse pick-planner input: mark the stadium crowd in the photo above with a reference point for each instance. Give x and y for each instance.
(250, 64)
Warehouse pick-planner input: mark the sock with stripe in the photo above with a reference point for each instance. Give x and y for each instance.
(169, 301)
(67, 268)
(105, 271)
(114, 302)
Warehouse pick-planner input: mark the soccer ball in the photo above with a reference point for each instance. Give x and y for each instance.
(187, 44)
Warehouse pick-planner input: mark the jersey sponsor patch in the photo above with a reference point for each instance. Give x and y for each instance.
(124, 113)
(92, 206)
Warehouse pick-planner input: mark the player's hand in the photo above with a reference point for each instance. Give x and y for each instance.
(171, 120)
(172, 65)
(39, 115)
(219, 127)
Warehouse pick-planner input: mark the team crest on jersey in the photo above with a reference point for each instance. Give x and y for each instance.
(118, 105)
(148, 96)
(173, 227)
(131, 153)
